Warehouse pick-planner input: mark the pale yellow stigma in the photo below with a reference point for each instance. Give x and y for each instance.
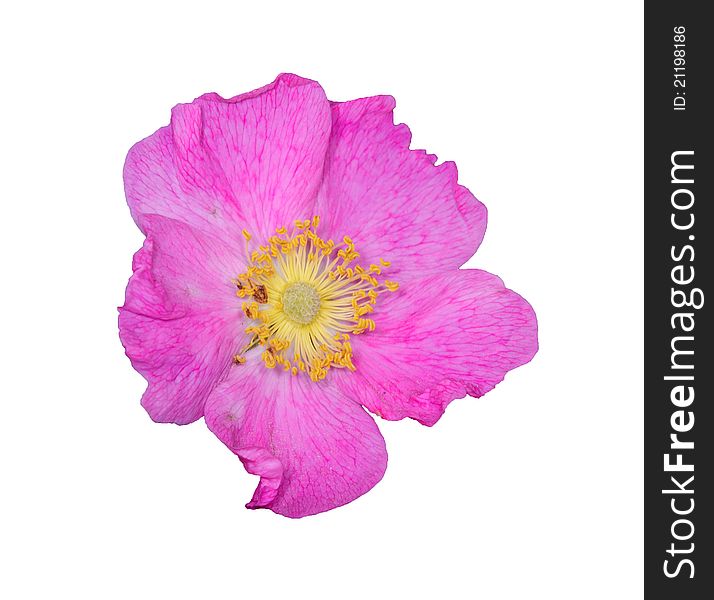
(301, 302)
(305, 296)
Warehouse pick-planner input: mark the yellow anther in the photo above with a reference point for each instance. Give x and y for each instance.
(269, 359)
(262, 333)
(238, 359)
(246, 235)
(363, 325)
(363, 310)
(250, 309)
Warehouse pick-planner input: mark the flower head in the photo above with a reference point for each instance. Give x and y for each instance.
(301, 263)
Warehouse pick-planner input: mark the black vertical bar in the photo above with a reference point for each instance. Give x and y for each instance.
(679, 357)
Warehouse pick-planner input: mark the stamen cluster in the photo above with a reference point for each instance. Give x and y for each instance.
(305, 296)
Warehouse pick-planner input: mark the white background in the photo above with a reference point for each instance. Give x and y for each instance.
(533, 491)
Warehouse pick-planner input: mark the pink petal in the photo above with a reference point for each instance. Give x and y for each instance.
(271, 146)
(313, 448)
(169, 174)
(181, 322)
(393, 201)
(193, 269)
(252, 161)
(259, 461)
(439, 339)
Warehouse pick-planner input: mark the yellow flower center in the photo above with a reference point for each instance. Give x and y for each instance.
(301, 302)
(304, 297)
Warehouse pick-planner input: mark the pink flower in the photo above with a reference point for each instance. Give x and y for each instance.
(300, 263)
